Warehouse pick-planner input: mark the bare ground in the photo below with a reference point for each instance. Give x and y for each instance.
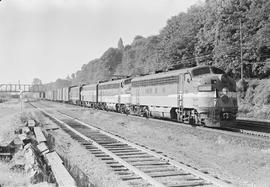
(241, 160)
(9, 121)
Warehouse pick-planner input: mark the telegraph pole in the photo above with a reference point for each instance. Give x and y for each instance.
(241, 50)
(21, 101)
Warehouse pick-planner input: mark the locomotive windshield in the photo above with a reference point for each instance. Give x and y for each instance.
(127, 81)
(200, 71)
(217, 70)
(206, 70)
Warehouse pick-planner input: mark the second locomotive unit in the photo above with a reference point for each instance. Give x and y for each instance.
(202, 95)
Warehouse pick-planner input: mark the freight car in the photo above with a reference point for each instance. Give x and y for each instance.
(37, 95)
(33, 96)
(202, 95)
(59, 95)
(49, 95)
(54, 95)
(65, 94)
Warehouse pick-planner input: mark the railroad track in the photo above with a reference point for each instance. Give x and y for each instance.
(258, 130)
(259, 126)
(132, 162)
(252, 127)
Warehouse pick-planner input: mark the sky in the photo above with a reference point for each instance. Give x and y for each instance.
(50, 39)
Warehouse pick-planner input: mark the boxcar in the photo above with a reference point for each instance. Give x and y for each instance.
(49, 95)
(54, 95)
(75, 95)
(66, 94)
(60, 94)
(42, 95)
(89, 95)
(37, 95)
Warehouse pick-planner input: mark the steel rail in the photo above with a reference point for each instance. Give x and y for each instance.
(114, 156)
(168, 160)
(172, 162)
(233, 131)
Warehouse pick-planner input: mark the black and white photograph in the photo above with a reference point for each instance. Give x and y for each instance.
(134, 93)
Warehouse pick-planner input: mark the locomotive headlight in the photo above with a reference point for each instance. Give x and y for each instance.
(213, 81)
(225, 91)
(225, 97)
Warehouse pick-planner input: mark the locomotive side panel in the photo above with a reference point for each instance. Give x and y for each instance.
(199, 99)
(158, 95)
(89, 95)
(114, 95)
(109, 93)
(125, 92)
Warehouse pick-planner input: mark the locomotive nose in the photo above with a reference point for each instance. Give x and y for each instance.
(228, 82)
(224, 78)
(219, 82)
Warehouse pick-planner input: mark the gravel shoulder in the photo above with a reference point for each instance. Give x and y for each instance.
(243, 161)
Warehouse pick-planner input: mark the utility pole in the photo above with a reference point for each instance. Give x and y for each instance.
(21, 101)
(241, 50)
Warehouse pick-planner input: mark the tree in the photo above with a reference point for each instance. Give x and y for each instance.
(120, 44)
(68, 78)
(111, 59)
(178, 37)
(208, 33)
(73, 76)
(36, 81)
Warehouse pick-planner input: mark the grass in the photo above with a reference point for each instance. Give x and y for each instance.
(12, 178)
(256, 101)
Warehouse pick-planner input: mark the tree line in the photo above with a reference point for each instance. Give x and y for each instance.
(212, 33)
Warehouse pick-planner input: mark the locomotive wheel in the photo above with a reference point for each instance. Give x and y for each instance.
(146, 113)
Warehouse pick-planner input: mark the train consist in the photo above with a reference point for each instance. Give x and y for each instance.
(202, 95)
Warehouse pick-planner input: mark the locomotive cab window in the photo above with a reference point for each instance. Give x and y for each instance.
(217, 70)
(200, 71)
(127, 81)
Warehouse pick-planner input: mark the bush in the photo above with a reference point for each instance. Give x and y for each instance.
(256, 103)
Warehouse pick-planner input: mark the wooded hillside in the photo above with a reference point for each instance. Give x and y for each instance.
(208, 33)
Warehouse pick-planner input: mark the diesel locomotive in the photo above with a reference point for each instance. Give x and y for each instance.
(203, 95)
